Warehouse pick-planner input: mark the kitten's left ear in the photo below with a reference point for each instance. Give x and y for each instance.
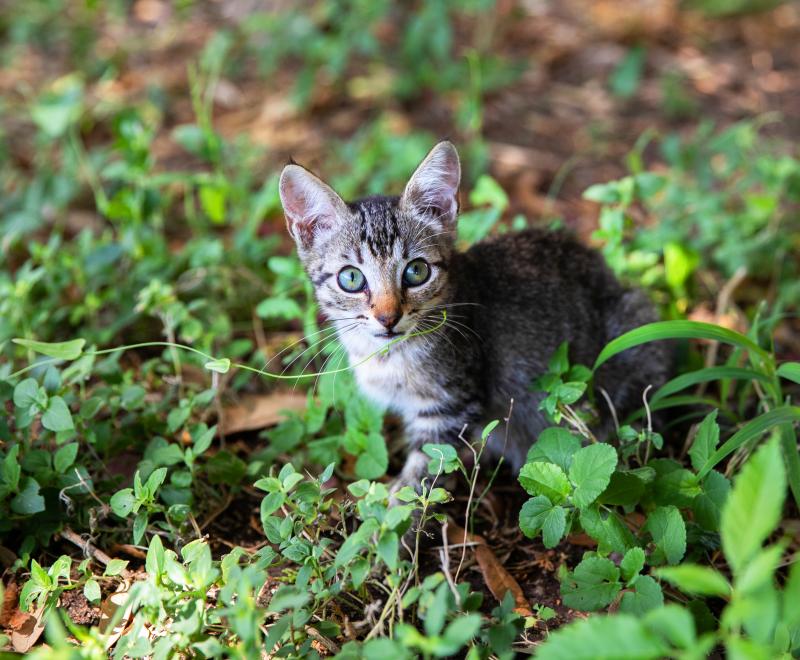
(433, 188)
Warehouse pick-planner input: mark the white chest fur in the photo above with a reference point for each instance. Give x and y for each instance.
(398, 380)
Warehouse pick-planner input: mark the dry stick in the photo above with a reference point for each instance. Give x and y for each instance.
(476, 469)
(444, 558)
(723, 300)
(649, 423)
(507, 420)
(88, 549)
(611, 408)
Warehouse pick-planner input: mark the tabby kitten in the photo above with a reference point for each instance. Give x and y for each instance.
(386, 267)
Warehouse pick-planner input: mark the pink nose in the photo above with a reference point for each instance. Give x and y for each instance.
(388, 319)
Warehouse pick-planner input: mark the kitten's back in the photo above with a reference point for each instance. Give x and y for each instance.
(535, 289)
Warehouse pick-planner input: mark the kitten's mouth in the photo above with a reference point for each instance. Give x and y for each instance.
(389, 334)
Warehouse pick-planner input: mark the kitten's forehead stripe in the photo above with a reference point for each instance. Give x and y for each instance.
(378, 224)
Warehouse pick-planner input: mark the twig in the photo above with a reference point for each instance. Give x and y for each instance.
(329, 644)
(88, 549)
(649, 423)
(611, 408)
(475, 470)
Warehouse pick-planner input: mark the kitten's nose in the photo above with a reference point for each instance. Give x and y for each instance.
(388, 319)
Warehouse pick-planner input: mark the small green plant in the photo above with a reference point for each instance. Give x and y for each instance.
(758, 618)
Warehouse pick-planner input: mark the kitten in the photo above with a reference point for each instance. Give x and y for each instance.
(386, 267)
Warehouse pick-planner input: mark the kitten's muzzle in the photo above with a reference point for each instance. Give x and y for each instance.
(389, 319)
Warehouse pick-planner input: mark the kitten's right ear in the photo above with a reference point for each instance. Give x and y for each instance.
(433, 188)
(310, 205)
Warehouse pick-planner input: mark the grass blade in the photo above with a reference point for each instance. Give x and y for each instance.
(677, 330)
(63, 350)
(790, 371)
(705, 375)
(752, 430)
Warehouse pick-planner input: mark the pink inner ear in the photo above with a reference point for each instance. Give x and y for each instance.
(305, 229)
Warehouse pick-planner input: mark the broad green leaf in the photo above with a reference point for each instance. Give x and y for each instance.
(545, 479)
(115, 567)
(488, 192)
(679, 487)
(750, 431)
(676, 330)
(555, 445)
(624, 488)
(632, 564)
(459, 632)
(790, 371)
(707, 507)
(679, 263)
(26, 393)
(374, 460)
(288, 597)
(646, 596)
(569, 393)
(65, 457)
(617, 637)
(759, 572)
(92, 591)
(791, 597)
(436, 614)
(553, 527)
(444, 458)
(675, 625)
(624, 79)
(279, 308)
(592, 586)
(271, 503)
(705, 440)
(64, 350)
(139, 526)
(122, 502)
(590, 472)
(359, 570)
(212, 201)
(611, 534)
(57, 417)
(754, 505)
(665, 524)
(221, 366)
(706, 375)
(388, 548)
(532, 515)
(696, 580)
(28, 501)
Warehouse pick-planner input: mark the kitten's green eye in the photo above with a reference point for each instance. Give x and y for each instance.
(417, 272)
(351, 279)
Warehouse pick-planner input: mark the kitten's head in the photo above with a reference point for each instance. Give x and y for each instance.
(380, 264)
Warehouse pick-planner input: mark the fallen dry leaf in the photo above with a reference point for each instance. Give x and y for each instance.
(9, 607)
(26, 630)
(497, 578)
(107, 611)
(260, 411)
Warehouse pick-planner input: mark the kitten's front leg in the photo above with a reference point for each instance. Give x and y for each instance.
(415, 469)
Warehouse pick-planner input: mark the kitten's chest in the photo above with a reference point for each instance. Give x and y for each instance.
(399, 382)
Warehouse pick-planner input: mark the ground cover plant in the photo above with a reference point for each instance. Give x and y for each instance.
(186, 465)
